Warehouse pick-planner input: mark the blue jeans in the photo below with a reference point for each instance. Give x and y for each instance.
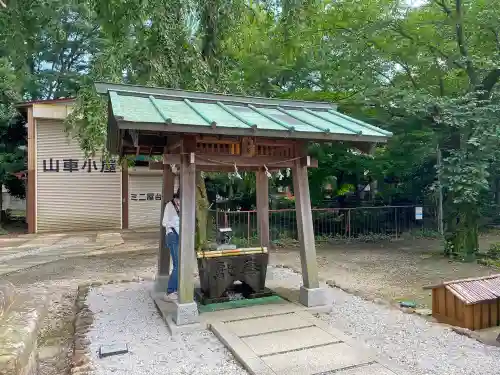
(172, 242)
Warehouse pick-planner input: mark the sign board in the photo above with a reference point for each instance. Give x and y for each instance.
(145, 196)
(75, 165)
(419, 213)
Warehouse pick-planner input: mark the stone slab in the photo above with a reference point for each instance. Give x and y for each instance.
(250, 312)
(243, 354)
(112, 349)
(316, 360)
(370, 369)
(109, 239)
(283, 341)
(7, 296)
(45, 240)
(18, 334)
(267, 324)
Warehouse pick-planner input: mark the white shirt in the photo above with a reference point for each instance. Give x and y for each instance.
(170, 218)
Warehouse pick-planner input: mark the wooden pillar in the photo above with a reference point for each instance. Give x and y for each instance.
(187, 221)
(125, 192)
(304, 222)
(262, 187)
(163, 252)
(31, 177)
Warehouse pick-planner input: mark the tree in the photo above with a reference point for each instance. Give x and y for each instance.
(12, 134)
(52, 40)
(429, 73)
(156, 43)
(444, 72)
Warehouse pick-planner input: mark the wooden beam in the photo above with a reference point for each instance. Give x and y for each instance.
(174, 147)
(242, 162)
(305, 228)
(187, 222)
(158, 166)
(316, 136)
(262, 187)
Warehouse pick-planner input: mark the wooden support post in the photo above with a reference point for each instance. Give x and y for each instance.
(305, 226)
(31, 181)
(310, 293)
(262, 188)
(163, 251)
(125, 193)
(187, 221)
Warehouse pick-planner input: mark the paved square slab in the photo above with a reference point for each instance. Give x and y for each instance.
(291, 341)
(267, 324)
(371, 369)
(278, 342)
(250, 312)
(316, 360)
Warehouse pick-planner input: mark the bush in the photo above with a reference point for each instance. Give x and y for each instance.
(494, 251)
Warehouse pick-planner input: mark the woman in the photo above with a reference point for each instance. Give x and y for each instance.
(171, 223)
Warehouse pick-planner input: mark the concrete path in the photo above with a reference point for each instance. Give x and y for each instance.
(23, 252)
(287, 340)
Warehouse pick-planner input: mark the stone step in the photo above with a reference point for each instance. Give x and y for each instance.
(250, 312)
(7, 295)
(293, 342)
(318, 360)
(290, 340)
(267, 324)
(19, 328)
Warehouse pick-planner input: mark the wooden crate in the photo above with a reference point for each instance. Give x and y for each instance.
(469, 303)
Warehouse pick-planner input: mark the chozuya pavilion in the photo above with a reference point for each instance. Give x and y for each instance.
(212, 132)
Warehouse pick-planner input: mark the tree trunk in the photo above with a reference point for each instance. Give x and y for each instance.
(1, 206)
(461, 237)
(201, 212)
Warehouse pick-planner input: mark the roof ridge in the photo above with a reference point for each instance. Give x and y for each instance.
(104, 88)
(479, 278)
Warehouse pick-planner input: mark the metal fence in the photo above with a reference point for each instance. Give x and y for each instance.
(328, 223)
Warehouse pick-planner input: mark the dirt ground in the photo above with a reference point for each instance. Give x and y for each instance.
(60, 280)
(391, 270)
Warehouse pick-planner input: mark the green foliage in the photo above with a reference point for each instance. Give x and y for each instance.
(494, 251)
(428, 73)
(492, 256)
(12, 133)
(424, 233)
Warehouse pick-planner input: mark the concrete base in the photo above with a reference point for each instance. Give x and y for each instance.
(161, 283)
(168, 310)
(312, 297)
(185, 313)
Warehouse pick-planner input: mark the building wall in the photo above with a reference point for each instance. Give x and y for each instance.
(144, 197)
(73, 193)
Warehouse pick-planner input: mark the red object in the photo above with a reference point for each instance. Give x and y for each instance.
(21, 175)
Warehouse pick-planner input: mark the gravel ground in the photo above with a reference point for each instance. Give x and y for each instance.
(60, 281)
(126, 314)
(409, 341)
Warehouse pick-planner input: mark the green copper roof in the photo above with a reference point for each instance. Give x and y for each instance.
(176, 111)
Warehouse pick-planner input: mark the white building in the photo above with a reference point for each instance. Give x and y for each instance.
(66, 191)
